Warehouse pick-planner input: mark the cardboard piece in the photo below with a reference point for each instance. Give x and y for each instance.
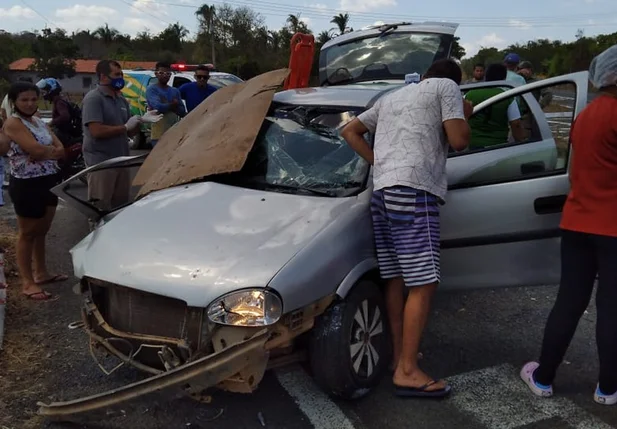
(214, 138)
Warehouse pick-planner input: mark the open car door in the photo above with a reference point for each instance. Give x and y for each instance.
(74, 192)
(500, 223)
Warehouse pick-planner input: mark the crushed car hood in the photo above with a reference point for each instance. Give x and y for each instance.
(198, 241)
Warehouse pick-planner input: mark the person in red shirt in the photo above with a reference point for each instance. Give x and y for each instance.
(589, 240)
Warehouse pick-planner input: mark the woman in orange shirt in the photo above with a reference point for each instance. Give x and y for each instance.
(589, 240)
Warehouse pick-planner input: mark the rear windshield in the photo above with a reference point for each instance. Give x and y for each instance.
(389, 56)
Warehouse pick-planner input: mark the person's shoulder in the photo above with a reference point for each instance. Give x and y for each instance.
(92, 94)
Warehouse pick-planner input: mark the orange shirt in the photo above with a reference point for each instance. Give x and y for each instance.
(591, 206)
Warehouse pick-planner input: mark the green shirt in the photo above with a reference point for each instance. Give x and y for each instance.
(490, 126)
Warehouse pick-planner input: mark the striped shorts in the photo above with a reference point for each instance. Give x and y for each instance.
(407, 234)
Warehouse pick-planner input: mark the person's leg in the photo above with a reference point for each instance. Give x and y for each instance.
(390, 271)
(101, 185)
(606, 325)
(578, 272)
(415, 229)
(122, 187)
(41, 274)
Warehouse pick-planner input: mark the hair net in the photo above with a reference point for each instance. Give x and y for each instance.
(603, 68)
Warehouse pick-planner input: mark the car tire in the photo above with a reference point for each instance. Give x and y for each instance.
(347, 355)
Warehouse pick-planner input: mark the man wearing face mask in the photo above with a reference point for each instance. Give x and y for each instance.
(107, 125)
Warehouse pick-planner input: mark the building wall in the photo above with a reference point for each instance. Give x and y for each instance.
(77, 85)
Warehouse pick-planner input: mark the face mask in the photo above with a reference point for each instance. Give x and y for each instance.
(117, 83)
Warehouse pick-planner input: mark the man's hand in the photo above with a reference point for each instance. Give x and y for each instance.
(467, 108)
(132, 123)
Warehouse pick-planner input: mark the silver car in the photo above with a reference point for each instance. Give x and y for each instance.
(211, 283)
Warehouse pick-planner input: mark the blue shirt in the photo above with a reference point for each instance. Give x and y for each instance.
(194, 94)
(159, 98)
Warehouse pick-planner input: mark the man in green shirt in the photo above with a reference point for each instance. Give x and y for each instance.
(491, 126)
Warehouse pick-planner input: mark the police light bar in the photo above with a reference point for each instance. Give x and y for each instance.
(188, 67)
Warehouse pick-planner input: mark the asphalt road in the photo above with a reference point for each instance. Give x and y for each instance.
(477, 340)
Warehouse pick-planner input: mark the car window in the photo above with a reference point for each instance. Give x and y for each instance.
(385, 56)
(221, 81)
(303, 154)
(178, 81)
(152, 81)
(546, 118)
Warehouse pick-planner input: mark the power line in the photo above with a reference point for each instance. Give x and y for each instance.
(132, 5)
(39, 14)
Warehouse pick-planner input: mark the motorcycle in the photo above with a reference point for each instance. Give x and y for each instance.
(73, 161)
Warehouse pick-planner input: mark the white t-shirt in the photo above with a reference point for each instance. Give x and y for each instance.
(7, 106)
(411, 147)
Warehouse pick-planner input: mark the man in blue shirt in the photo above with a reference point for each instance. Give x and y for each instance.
(196, 92)
(166, 100)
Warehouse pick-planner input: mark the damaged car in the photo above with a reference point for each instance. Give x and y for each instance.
(248, 243)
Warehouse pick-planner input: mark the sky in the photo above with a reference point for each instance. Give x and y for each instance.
(483, 23)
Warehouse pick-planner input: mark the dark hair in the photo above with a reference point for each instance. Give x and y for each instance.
(446, 68)
(103, 67)
(202, 67)
(479, 65)
(495, 72)
(162, 65)
(21, 87)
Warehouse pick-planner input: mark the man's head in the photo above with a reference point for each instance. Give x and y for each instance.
(495, 72)
(525, 69)
(603, 71)
(511, 61)
(446, 68)
(162, 71)
(109, 73)
(202, 74)
(478, 72)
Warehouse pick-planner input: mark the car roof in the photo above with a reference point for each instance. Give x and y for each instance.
(355, 95)
(374, 30)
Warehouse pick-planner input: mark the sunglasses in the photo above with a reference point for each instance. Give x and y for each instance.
(201, 77)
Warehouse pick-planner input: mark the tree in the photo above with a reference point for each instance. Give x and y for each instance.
(106, 34)
(457, 50)
(54, 54)
(206, 15)
(342, 23)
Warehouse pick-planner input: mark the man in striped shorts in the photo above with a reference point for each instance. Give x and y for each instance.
(413, 128)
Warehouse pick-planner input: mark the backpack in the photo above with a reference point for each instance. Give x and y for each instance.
(76, 123)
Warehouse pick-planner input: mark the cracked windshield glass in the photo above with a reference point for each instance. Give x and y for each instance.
(301, 151)
(388, 56)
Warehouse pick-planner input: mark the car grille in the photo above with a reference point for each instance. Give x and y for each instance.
(137, 312)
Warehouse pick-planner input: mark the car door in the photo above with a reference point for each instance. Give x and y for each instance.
(74, 193)
(500, 223)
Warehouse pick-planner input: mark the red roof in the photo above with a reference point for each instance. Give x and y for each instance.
(83, 66)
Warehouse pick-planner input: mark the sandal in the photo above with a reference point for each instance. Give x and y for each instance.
(54, 279)
(39, 296)
(422, 391)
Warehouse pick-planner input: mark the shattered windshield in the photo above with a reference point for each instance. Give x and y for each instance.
(388, 56)
(301, 151)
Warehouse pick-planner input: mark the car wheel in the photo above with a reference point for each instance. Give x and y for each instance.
(349, 346)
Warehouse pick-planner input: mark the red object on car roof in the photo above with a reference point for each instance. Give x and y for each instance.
(189, 67)
(300, 61)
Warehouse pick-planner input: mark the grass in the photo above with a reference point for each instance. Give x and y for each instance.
(22, 355)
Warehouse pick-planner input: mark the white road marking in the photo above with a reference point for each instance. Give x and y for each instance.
(316, 406)
(498, 398)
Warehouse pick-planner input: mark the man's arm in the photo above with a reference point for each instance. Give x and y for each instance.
(354, 131)
(514, 118)
(454, 115)
(154, 100)
(181, 109)
(92, 117)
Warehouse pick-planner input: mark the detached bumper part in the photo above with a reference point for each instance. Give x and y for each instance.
(209, 371)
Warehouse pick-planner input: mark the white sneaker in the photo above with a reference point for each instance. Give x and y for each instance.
(535, 387)
(603, 399)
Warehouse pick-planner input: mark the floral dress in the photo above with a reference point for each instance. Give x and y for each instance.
(22, 165)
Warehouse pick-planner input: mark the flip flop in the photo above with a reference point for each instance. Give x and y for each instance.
(54, 279)
(422, 392)
(42, 296)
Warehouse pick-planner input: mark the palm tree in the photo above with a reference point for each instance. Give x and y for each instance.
(324, 36)
(341, 21)
(207, 18)
(106, 34)
(179, 31)
(294, 23)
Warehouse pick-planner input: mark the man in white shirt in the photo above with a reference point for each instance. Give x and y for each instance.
(511, 61)
(413, 128)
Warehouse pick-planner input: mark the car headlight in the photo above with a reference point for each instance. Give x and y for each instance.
(250, 307)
